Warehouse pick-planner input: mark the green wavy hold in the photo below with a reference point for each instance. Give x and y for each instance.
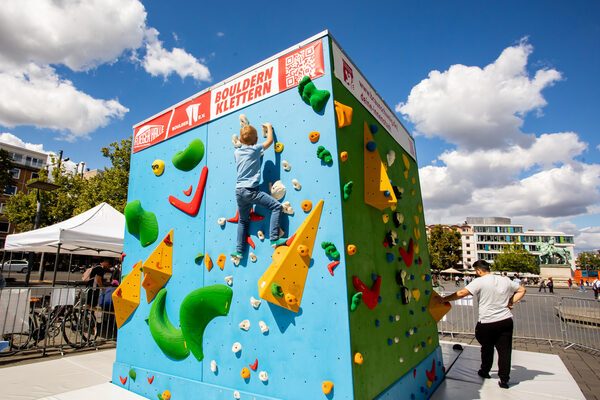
(141, 223)
(316, 98)
(187, 159)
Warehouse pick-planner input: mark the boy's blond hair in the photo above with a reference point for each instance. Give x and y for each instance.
(248, 134)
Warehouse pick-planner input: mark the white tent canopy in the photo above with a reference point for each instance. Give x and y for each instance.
(99, 232)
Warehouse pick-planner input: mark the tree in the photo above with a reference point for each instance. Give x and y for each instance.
(587, 260)
(6, 164)
(444, 247)
(515, 258)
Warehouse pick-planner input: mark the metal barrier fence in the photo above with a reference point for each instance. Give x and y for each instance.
(580, 322)
(42, 318)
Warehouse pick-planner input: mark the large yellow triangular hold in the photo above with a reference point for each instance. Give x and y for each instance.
(378, 189)
(158, 267)
(126, 297)
(283, 282)
(437, 309)
(343, 113)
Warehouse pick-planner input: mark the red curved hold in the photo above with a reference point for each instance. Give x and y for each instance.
(250, 242)
(407, 256)
(189, 191)
(331, 266)
(253, 217)
(254, 366)
(193, 206)
(123, 380)
(431, 374)
(290, 240)
(150, 380)
(370, 296)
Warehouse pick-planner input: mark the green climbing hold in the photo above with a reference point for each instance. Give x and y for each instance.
(187, 159)
(356, 299)
(168, 338)
(276, 290)
(324, 155)
(199, 258)
(141, 223)
(348, 190)
(311, 95)
(132, 374)
(330, 250)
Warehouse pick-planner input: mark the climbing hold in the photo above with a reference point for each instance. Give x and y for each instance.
(385, 218)
(287, 208)
(276, 290)
(290, 299)
(407, 255)
(168, 338)
(277, 190)
(208, 262)
(253, 257)
(187, 159)
(236, 395)
(245, 373)
(387, 193)
(229, 280)
(221, 261)
(356, 299)
(158, 267)
(389, 257)
(278, 147)
(192, 207)
(330, 250)
(391, 157)
(344, 156)
(296, 184)
(235, 259)
(263, 376)
(343, 113)
(237, 346)
(302, 250)
(141, 223)
(406, 161)
(375, 176)
(327, 387)
(166, 395)
(374, 128)
(286, 165)
(235, 140)
(416, 294)
(221, 221)
(158, 167)
(371, 145)
(370, 296)
(213, 366)
(255, 302)
(126, 297)
(398, 219)
(260, 235)
(331, 266)
(150, 380)
(391, 238)
(324, 155)
(243, 120)
(245, 325)
(351, 249)
(263, 327)
(314, 136)
(311, 95)
(348, 190)
(306, 205)
(358, 358)
(132, 374)
(254, 366)
(199, 258)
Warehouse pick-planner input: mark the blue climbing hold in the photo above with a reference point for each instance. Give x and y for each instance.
(423, 344)
(407, 334)
(377, 323)
(404, 227)
(374, 128)
(427, 277)
(398, 296)
(423, 309)
(391, 318)
(412, 277)
(374, 277)
(379, 299)
(426, 292)
(389, 257)
(411, 312)
(390, 341)
(371, 145)
(416, 329)
(386, 193)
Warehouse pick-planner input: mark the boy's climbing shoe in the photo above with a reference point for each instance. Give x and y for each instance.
(278, 242)
(237, 254)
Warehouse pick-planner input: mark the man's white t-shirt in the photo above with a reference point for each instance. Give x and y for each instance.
(493, 293)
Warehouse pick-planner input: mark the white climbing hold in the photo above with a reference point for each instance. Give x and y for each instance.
(401, 359)
(287, 208)
(221, 221)
(286, 165)
(243, 120)
(237, 346)
(229, 280)
(397, 318)
(263, 327)
(260, 235)
(255, 302)
(245, 325)
(391, 157)
(277, 190)
(263, 376)
(213, 366)
(416, 349)
(253, 257)
(265, 130)
(296, 184)
(235, 140)
(236, 395)
(396, 339)
(411, 331)
(235, 260)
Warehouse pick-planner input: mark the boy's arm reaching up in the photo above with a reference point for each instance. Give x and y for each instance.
(267, 143)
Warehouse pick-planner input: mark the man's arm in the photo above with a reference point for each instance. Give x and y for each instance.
(517, 296)
(267, 143)
(455, 296)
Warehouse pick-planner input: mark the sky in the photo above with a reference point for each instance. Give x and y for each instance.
(502, 97)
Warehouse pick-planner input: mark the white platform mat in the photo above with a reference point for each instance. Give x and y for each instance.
(533, 376)
(105, 391)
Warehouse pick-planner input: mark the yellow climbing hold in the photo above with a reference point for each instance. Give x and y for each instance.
(406, 174)
(378, 189)
(221, 261)
(437, 309)
(343, 113)
(416, 294)
(351, 249)
(302, 250)
(126, 297)
(420, 207)
(416, 248)
(406, 161)
(417, 233)
(278, 147)
(290, 299)
(385, 218)
(413, 180)
(245, 373)
(158, 267)
(358, 358)
(208, 262)
(416, 218)
(327, 387)
(166, 395)
(344, 156)
(158, 167)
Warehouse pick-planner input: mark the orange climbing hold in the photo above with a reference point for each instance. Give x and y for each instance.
(327, 387)
(344, 156)
(343, 113)
(306, 205)
(302, 250)
(290, 299)
(245, 373)
(208, 262)
(351, 249)
(358, 358)
(221, 261)
(314, 136)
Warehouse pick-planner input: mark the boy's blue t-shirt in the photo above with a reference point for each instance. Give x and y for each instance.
(247, 159)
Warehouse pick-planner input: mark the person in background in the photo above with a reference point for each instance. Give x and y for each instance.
(2, 281)
(542, 285)
(97, 275)
(596, 288)
(496, 296)
(570, 283)
(550, 285)
(581, 286)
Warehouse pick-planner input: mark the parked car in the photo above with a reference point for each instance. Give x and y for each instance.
(15, 266)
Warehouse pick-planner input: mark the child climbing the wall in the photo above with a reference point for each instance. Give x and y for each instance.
(247, 192)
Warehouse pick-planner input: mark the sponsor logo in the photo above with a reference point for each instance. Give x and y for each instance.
(147, 134)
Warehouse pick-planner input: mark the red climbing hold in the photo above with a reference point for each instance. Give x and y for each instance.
(118, 292)
(290, 240)
(253, 217)
(250, 242)
(370, 296)
(431, 374)
(123, 380)
(150, 380)
(193, 206)
(122, 257)
(167, 240)
(414, 373)
(189, 191)
(254, 366)
(331, 266)
(407, 255)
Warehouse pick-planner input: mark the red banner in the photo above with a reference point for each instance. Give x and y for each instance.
(307, 60)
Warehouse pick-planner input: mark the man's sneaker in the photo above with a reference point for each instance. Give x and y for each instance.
(503, 385)
(278, 242)
(483, 374)
(237, 254)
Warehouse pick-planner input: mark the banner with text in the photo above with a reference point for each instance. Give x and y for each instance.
(262, 82)
(349, 75)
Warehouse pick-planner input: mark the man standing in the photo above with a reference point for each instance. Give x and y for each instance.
(596, 288)
(495, 297)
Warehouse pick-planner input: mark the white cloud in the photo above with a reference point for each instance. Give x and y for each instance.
(220, 34)
(159, 61)
(479, 108)
(9, 138)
